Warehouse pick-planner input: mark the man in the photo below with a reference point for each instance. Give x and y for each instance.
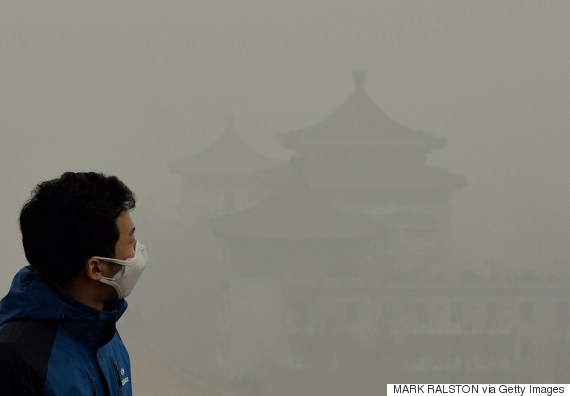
(57, 322)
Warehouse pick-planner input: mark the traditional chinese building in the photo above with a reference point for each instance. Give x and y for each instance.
(225, 177)
(339, 281)
(366, 162)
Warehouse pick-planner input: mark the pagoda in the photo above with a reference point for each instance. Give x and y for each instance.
(227, 176)
(366, 162)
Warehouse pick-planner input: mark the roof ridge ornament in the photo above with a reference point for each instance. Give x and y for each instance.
(359, 79)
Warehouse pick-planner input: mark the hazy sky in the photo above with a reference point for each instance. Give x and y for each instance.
(123, 87)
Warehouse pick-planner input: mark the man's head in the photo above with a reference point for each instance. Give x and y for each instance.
(71, 219)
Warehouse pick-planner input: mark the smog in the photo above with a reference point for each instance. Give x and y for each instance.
(334, 196)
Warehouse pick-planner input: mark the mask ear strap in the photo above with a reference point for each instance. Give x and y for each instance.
(112, 260)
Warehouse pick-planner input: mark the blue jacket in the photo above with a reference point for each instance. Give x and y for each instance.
(51, 344)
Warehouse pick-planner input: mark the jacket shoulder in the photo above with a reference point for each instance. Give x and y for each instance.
(25, 348)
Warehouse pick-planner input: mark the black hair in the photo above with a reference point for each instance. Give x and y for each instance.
(70, 219)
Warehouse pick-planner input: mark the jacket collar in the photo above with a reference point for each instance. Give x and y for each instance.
(33, 296)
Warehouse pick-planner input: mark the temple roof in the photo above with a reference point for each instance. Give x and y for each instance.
(359, 122)
(294, 211)
(228, 155)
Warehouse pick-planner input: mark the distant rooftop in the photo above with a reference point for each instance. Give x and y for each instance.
(359, 122)
(228, 155)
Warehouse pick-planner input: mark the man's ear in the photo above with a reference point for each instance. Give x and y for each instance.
(94, 269)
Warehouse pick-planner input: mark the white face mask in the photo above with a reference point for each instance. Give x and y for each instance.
(124, 281)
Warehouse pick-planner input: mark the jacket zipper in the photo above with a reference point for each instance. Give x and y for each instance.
(119, 383)
(92, 384)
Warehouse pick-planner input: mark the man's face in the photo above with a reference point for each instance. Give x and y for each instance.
(124, 249)
(125, 246)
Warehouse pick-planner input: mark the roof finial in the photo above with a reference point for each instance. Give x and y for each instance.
(359, 79)
(229, 119)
